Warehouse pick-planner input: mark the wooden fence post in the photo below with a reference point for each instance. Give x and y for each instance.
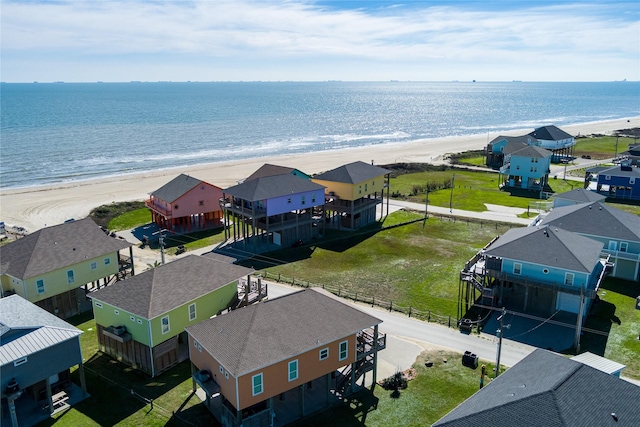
(449, 321)
(390, 305)
(409, 311)
(428, 316)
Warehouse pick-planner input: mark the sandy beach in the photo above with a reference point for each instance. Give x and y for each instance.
(37, 207)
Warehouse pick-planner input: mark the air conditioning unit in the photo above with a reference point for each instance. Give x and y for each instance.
(119, 330)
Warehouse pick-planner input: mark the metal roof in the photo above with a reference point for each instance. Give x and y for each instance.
(26, 328)
(600, 363)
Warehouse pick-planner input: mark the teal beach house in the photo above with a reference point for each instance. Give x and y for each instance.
(141, 321)
(538, 271)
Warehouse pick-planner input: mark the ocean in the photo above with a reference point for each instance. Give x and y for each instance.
(57, 132)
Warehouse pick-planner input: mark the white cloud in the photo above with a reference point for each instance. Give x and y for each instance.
(551, 42)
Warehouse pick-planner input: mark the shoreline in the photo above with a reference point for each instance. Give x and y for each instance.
(39, 206)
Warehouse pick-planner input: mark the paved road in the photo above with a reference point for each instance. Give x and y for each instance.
(407, 338)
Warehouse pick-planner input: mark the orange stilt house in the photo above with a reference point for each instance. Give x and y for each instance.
(186, 203)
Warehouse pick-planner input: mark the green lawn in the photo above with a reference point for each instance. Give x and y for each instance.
(131, 219)
(601, 147)
(471, 189)
(427, 398)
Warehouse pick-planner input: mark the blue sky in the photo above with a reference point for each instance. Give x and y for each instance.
(307, 40)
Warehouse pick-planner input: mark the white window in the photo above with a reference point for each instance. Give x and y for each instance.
(221, 369)
(139, 321)
(256, 382)
(107, 261)
(94, 265)
(165, 324)
(632, 180)
(192, 311)
(97, 304)
(40, 286)
(568, 279)
(19, 362)
(517, 268)
(70, 277)
(324, 353)
(303, 200)
(545, 270)
(313, 198)
(293, 370)
(133, 319)
(613, 245)
(365, 187)
(116, 312)
(607, 177)
(624, 246)
(344, 350)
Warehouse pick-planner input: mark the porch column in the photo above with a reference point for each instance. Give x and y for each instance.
(133, 270)
(301, 392)
(83, 382)
(375, 356)
(49, 395)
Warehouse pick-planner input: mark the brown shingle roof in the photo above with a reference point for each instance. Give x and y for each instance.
(263, 334)
(59, 246)
(161, 289)
(353, 173)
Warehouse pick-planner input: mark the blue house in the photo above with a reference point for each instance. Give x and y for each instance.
(620, 182)
(538, 271)
(527, 168)
(37, 352)
(554, 139)
(617, 230)
(576, 197)
(270, 212)
(503, 145)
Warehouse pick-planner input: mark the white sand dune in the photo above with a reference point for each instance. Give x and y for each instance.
(37, 207)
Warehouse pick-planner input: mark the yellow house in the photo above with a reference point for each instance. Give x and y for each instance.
(50, 266)
(352, 194)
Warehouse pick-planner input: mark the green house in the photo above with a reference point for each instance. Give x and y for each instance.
(141, 321)
(56, 266)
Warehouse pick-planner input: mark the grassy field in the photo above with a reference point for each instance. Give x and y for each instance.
(410, 265)
(471, 189)
(603, 147)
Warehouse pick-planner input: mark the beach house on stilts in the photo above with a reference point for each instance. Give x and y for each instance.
(186, 204)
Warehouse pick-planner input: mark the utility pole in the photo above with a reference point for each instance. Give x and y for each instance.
(499, 333)
(161, 243)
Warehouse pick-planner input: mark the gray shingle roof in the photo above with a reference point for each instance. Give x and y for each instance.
(26, 328)
(548, 246)
(581, 195)
(55, 247)
(263, 334)
(631, 171)
(270, 170)
(268, 187)
(532, 151)
(161, 289)
(547, 389)
(596, 219)
(550, 133)
(177, 187)
(353, 173)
